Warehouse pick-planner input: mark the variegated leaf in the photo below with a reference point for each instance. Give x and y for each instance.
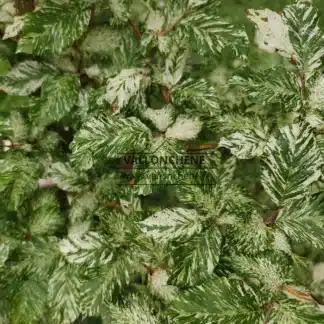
(306, 37)
(64, 294)
(55, 26)
(292, 163)
(172, 224)
(58, 96)
(196, 259)
(246, 144)
(89, 248)
(270, 86)
(302, 221)
(25, 78)
(218, 300)
(109, 137)
(126, 85)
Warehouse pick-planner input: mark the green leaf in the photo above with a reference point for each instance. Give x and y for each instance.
(196, 259)
(58, 97)
(172, 224)
(25, 78)
(28, 304)
(4, 66)
(292, 163)
(55, 26)
(64, 294)
(109, 138)
(302, 221)
(218, 300)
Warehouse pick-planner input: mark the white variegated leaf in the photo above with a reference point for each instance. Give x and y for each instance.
(172, 224)
(58, 97)
(161, 118)
(12, 30)
(292, 163)
(25, 78)
(174, 65)
(302, 221)
(89, 248)
(125, 85)
(55, 26)
(272, 32)
(306, 36)
(184, 128)
(196, 259)
(109, 137)
(218, 300)
(245, 145)
(64, 294)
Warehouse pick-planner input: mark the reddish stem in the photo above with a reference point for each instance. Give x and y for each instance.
(135, 29)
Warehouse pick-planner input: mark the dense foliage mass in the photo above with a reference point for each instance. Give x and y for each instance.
(92, 90)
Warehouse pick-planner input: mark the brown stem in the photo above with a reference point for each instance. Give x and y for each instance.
(299, 294)
(135, 29)
(166, 94)
(24, 6)
(268, 310)
(303, 86)
(270, 220)
(113, 204)
(200, 147)
(170, 29)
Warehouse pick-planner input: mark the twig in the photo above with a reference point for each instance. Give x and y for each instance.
(200, 147)
(170, 29)
(299, 294)
(136, 29)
